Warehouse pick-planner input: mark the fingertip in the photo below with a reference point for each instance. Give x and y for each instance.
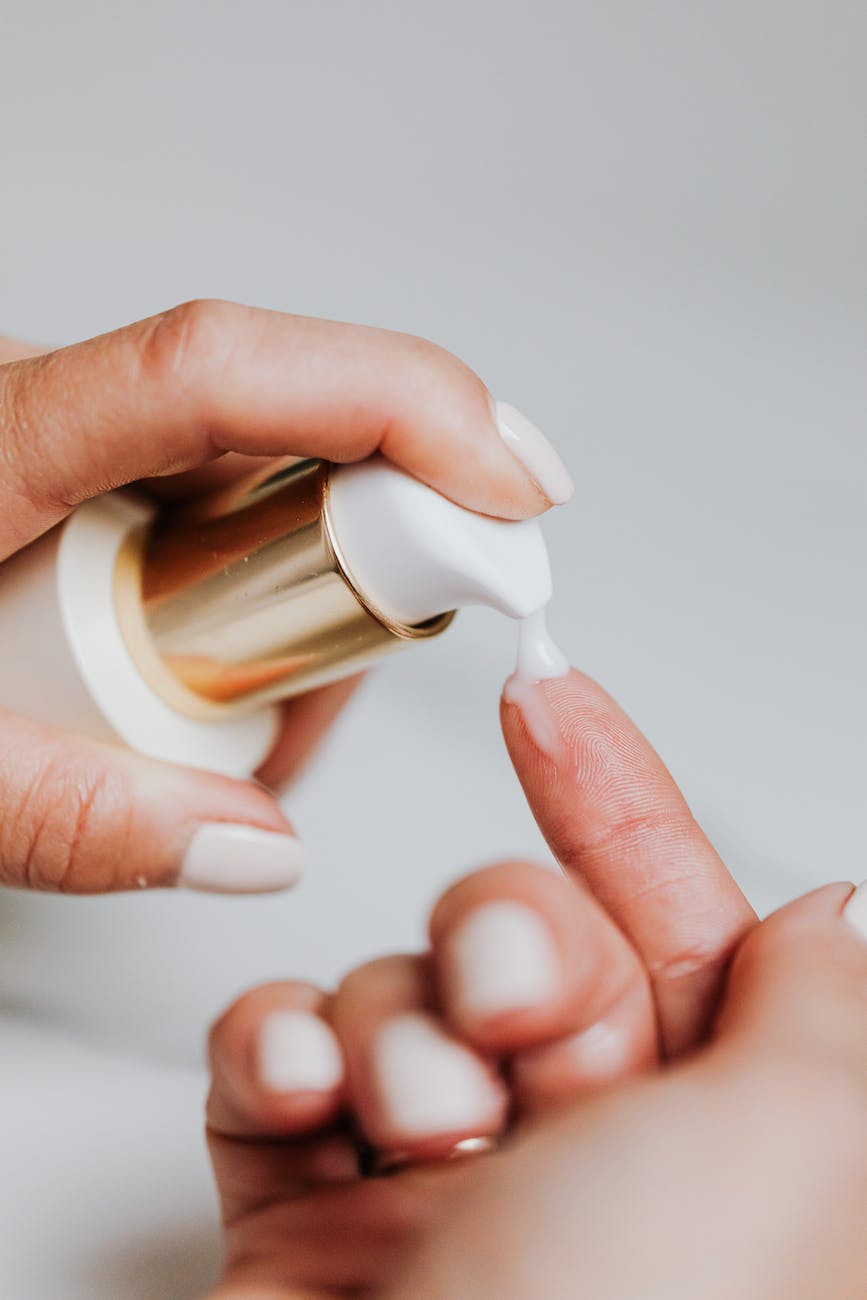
(522, 957)
(277, 1064)
(233, 858)
(502, 973)
(207, 832)
(414, 1086)
(797, 980)
(500, 967)
(448, 430)
(855, 909)
(298, 1052)
(535, 454)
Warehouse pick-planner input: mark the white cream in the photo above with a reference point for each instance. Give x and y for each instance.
(538, 656)
(416, 554)
(539, 659)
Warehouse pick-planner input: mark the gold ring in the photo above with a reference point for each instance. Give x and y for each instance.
(380, 1164)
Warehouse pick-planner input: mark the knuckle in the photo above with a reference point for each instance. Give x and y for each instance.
(184, 342)
(70, 828)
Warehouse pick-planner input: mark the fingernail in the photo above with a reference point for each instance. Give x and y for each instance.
(429, 1084)
(503, 958)
(530, 446)
(298, 1052)
(226, 858)
(855, 911)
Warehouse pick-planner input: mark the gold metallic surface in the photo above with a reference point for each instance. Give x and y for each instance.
(383, 1164)
(242, 597)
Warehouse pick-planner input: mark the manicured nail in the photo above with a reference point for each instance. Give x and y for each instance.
(429, 1084)
(226, 858)
(855, 911)
(530, 446)
(503, 957)
(298, 1052)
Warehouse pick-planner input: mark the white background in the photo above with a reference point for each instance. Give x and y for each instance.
(644, 225)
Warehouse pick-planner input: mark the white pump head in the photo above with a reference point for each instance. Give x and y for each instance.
(415, 554)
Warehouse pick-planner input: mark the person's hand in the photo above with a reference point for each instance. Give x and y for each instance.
(738, 1170)
(738, 1174)
(181, 400)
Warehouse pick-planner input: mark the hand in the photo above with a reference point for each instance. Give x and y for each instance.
(659, 1187)
(180, 400)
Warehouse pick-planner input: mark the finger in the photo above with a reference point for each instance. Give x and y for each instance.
(304, 723)
(179, 389)
(277, 1066)
(530, 966)
(798, 986)
(415, 1088)
(332, 1242)
(615, 819)
(79, 816)
(277, 1079)
(284, 1161)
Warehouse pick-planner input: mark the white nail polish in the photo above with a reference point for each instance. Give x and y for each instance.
(855, 911)
(298, 1052)
(430, 1084)
(530, 446)
(228, 858)
(503, 957)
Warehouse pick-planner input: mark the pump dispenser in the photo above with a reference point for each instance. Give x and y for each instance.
(177, 632)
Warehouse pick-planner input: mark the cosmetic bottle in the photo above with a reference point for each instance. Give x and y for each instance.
(177, 631)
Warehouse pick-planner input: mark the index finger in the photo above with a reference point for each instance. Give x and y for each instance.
(614, 817)
(180, 389)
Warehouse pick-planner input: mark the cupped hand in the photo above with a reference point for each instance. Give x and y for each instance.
(181, 400)
(678, 1083)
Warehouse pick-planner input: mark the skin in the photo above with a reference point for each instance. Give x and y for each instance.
(177, 403)
(740, 1077)
(722, 1151)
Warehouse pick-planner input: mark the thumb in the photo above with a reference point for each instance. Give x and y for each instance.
(77, 816)
(798, 983)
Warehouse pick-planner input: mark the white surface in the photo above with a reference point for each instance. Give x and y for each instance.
(105, 1189)
(415, 554)
(644, 225)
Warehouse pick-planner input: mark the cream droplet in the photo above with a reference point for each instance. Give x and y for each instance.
(539, 659)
